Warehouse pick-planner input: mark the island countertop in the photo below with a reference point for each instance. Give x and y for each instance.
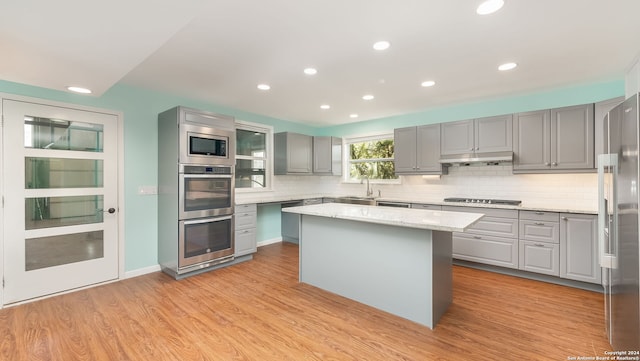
(402, 217)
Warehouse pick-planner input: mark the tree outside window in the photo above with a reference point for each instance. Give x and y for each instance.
(371, 157)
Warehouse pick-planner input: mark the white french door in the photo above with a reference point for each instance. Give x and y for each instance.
(60, 176)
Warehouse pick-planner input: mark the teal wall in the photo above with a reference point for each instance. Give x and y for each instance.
(140, 108)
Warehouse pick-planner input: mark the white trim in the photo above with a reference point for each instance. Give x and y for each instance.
(142, 271)
(2, 227)
(120, 185)
(263, 128)
(269, 241)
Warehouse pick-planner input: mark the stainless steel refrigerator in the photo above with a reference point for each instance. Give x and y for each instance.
(618, 180)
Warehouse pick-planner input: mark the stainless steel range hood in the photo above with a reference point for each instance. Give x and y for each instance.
(473, 158)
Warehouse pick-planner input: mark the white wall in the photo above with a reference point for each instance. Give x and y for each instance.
(558, 191)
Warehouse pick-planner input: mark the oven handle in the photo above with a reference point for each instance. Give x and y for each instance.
(207, 220)
(208, 176)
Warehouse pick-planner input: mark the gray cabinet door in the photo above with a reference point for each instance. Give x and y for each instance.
(428, 148)
(293, 153)
(321, 154)
(404, 143)
(572, 140)
(457, 137)
(540, 257)
(579, 248)
(531, 140)
(494, 134)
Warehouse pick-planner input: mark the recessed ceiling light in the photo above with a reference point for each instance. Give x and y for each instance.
(354, 115)
(489, 7)
(367, 97)
(310, 71)
(507, 66)
(77, 89)
(381, 45)
(264, 86)
(325, 106)
(428, 83)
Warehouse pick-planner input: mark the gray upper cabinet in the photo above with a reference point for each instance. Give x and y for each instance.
(579, 248)
(483, 135)
(417, 150)
(327, 155)
(548, 141)
(293, 153)
(457, 137)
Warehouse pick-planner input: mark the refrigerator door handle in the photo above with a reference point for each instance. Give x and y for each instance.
(607, 260)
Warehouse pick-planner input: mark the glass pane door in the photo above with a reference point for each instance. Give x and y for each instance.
(63, 186)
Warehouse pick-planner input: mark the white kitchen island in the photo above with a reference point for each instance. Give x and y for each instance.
(394, 259)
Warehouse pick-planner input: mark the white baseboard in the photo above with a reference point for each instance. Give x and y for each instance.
(269, 241)
(141, 271)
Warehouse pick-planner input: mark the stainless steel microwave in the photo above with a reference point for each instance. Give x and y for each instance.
(206, 146)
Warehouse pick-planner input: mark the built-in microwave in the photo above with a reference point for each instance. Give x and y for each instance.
(205, 145)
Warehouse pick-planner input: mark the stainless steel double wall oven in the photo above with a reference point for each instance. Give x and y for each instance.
(196, 190)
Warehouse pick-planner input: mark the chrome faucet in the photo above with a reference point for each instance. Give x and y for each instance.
(369, 190)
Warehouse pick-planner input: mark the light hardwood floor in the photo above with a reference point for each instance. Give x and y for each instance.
(258, 311)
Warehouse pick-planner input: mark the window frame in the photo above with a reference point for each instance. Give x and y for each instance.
(268, 159)
(346, 157)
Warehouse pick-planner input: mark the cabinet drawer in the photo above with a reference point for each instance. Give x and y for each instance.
(540, 257)
(433, 207)
(536, 231)
(495, 251)
(488, 212)
(494, 226)
(540, 216)
(246, 208)
(245, 242)
(246, 220)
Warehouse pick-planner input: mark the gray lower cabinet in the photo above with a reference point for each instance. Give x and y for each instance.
(245, 228)
(483, 135)
(555, 140)
(293, 153)
(579, 248)
(417, 150)
(327, 155)
(492, 240)
(540, 242)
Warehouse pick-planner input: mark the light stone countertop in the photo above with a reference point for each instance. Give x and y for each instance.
(525, 206)
(402, 217)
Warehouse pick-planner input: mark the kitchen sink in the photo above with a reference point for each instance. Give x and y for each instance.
(370, 201)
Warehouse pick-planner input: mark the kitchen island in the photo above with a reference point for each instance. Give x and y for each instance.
(394, 259)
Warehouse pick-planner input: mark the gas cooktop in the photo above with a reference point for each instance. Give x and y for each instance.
(484, 201)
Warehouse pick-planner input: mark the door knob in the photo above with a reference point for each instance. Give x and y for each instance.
(111, 210)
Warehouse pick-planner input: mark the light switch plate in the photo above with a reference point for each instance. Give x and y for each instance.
(147, 190)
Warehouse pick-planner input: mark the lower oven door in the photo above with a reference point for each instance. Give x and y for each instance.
(205, 240)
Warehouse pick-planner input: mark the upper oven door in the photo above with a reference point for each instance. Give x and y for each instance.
(204, 195)
(207, 146)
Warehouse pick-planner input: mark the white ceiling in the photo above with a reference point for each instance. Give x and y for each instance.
(219, 50)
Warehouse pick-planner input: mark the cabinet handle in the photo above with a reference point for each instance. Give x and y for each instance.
(565, 218)
(471, 149)
(539, 224)
(538, 244)
(547, 164)
(477, 237)
(554, 164)
(539, 213)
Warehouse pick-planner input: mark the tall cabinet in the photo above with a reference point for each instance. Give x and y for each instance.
(417, 150)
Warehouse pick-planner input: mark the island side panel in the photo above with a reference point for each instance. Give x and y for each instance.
(442, 273)
(387, 267)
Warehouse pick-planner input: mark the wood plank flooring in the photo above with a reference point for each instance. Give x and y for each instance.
(258, 311)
